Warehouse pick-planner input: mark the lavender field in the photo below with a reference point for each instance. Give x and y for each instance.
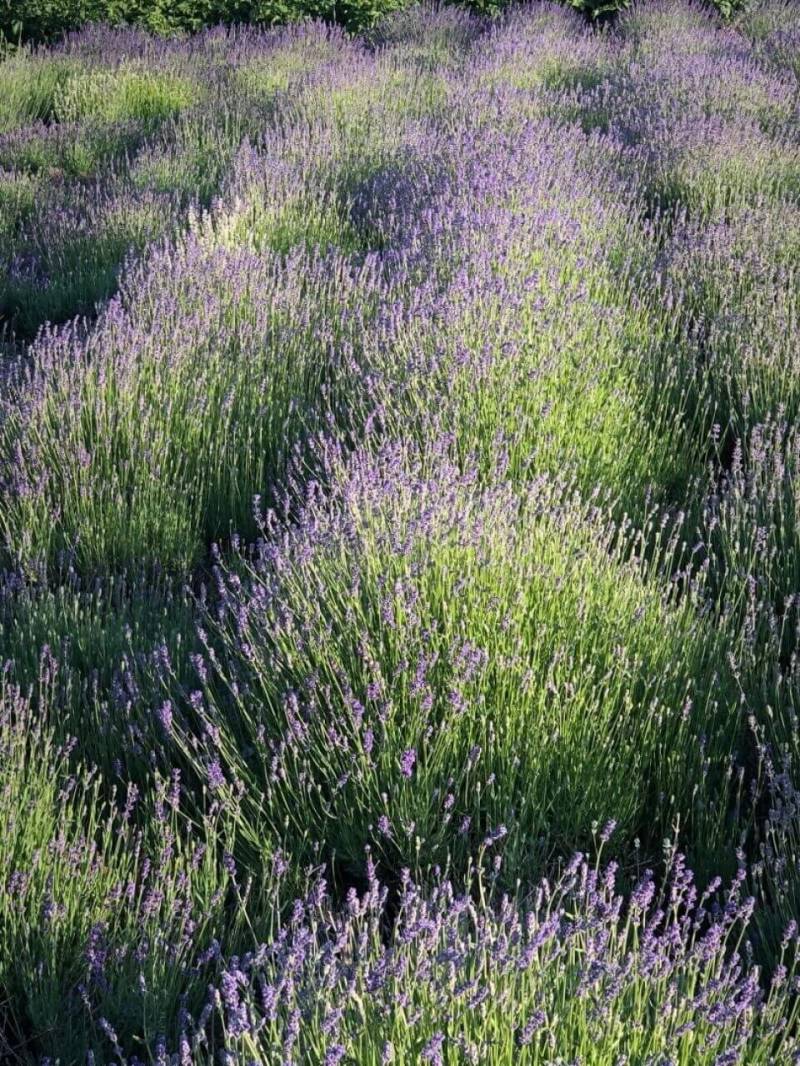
(400, 543)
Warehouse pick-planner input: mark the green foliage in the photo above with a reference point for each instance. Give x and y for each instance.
(729, 8)
(40, 20)
(597, 9)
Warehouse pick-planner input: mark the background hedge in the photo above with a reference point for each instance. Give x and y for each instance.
(42, 20)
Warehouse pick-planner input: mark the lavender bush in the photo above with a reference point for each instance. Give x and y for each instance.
(576, 970)
(398, 542)
(389, 657)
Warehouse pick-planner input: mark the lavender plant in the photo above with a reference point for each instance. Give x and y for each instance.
(398, 441)
(735, 282)
(108, 921)
(772, 27)
(422, 665)
(30, 84)
(575, 970)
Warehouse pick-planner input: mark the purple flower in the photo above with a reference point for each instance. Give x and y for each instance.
(607, 831)
(433, 1050)
(97, 954)
(216, 778)
(495, 835)
(165, 716)
(528, 1031)
(407, 762)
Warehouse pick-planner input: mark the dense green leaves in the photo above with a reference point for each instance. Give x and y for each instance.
(39, 20)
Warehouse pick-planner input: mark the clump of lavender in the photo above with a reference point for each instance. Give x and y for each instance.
(750, 534)
(111, 899)
(428, 36)
(544, 53)
(96, 114)
(572, 973)
(414, 661)
(696, 147)
(237, 361)
(29, 84)
(294, 300)
(772, 28)
(535, 355)
(735, 284)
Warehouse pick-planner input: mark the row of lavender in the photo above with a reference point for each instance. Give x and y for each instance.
(417, 514)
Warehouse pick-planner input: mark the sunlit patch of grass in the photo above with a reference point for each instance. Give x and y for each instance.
(263, 75)
(307, 191)
(29, 88)
(565, 389)
(554, 73)
(720, 173)
(123, 94)
(18, 196)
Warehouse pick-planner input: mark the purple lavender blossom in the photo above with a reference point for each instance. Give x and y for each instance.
(407, 762)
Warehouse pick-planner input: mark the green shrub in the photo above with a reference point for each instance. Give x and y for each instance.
(40, 20)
